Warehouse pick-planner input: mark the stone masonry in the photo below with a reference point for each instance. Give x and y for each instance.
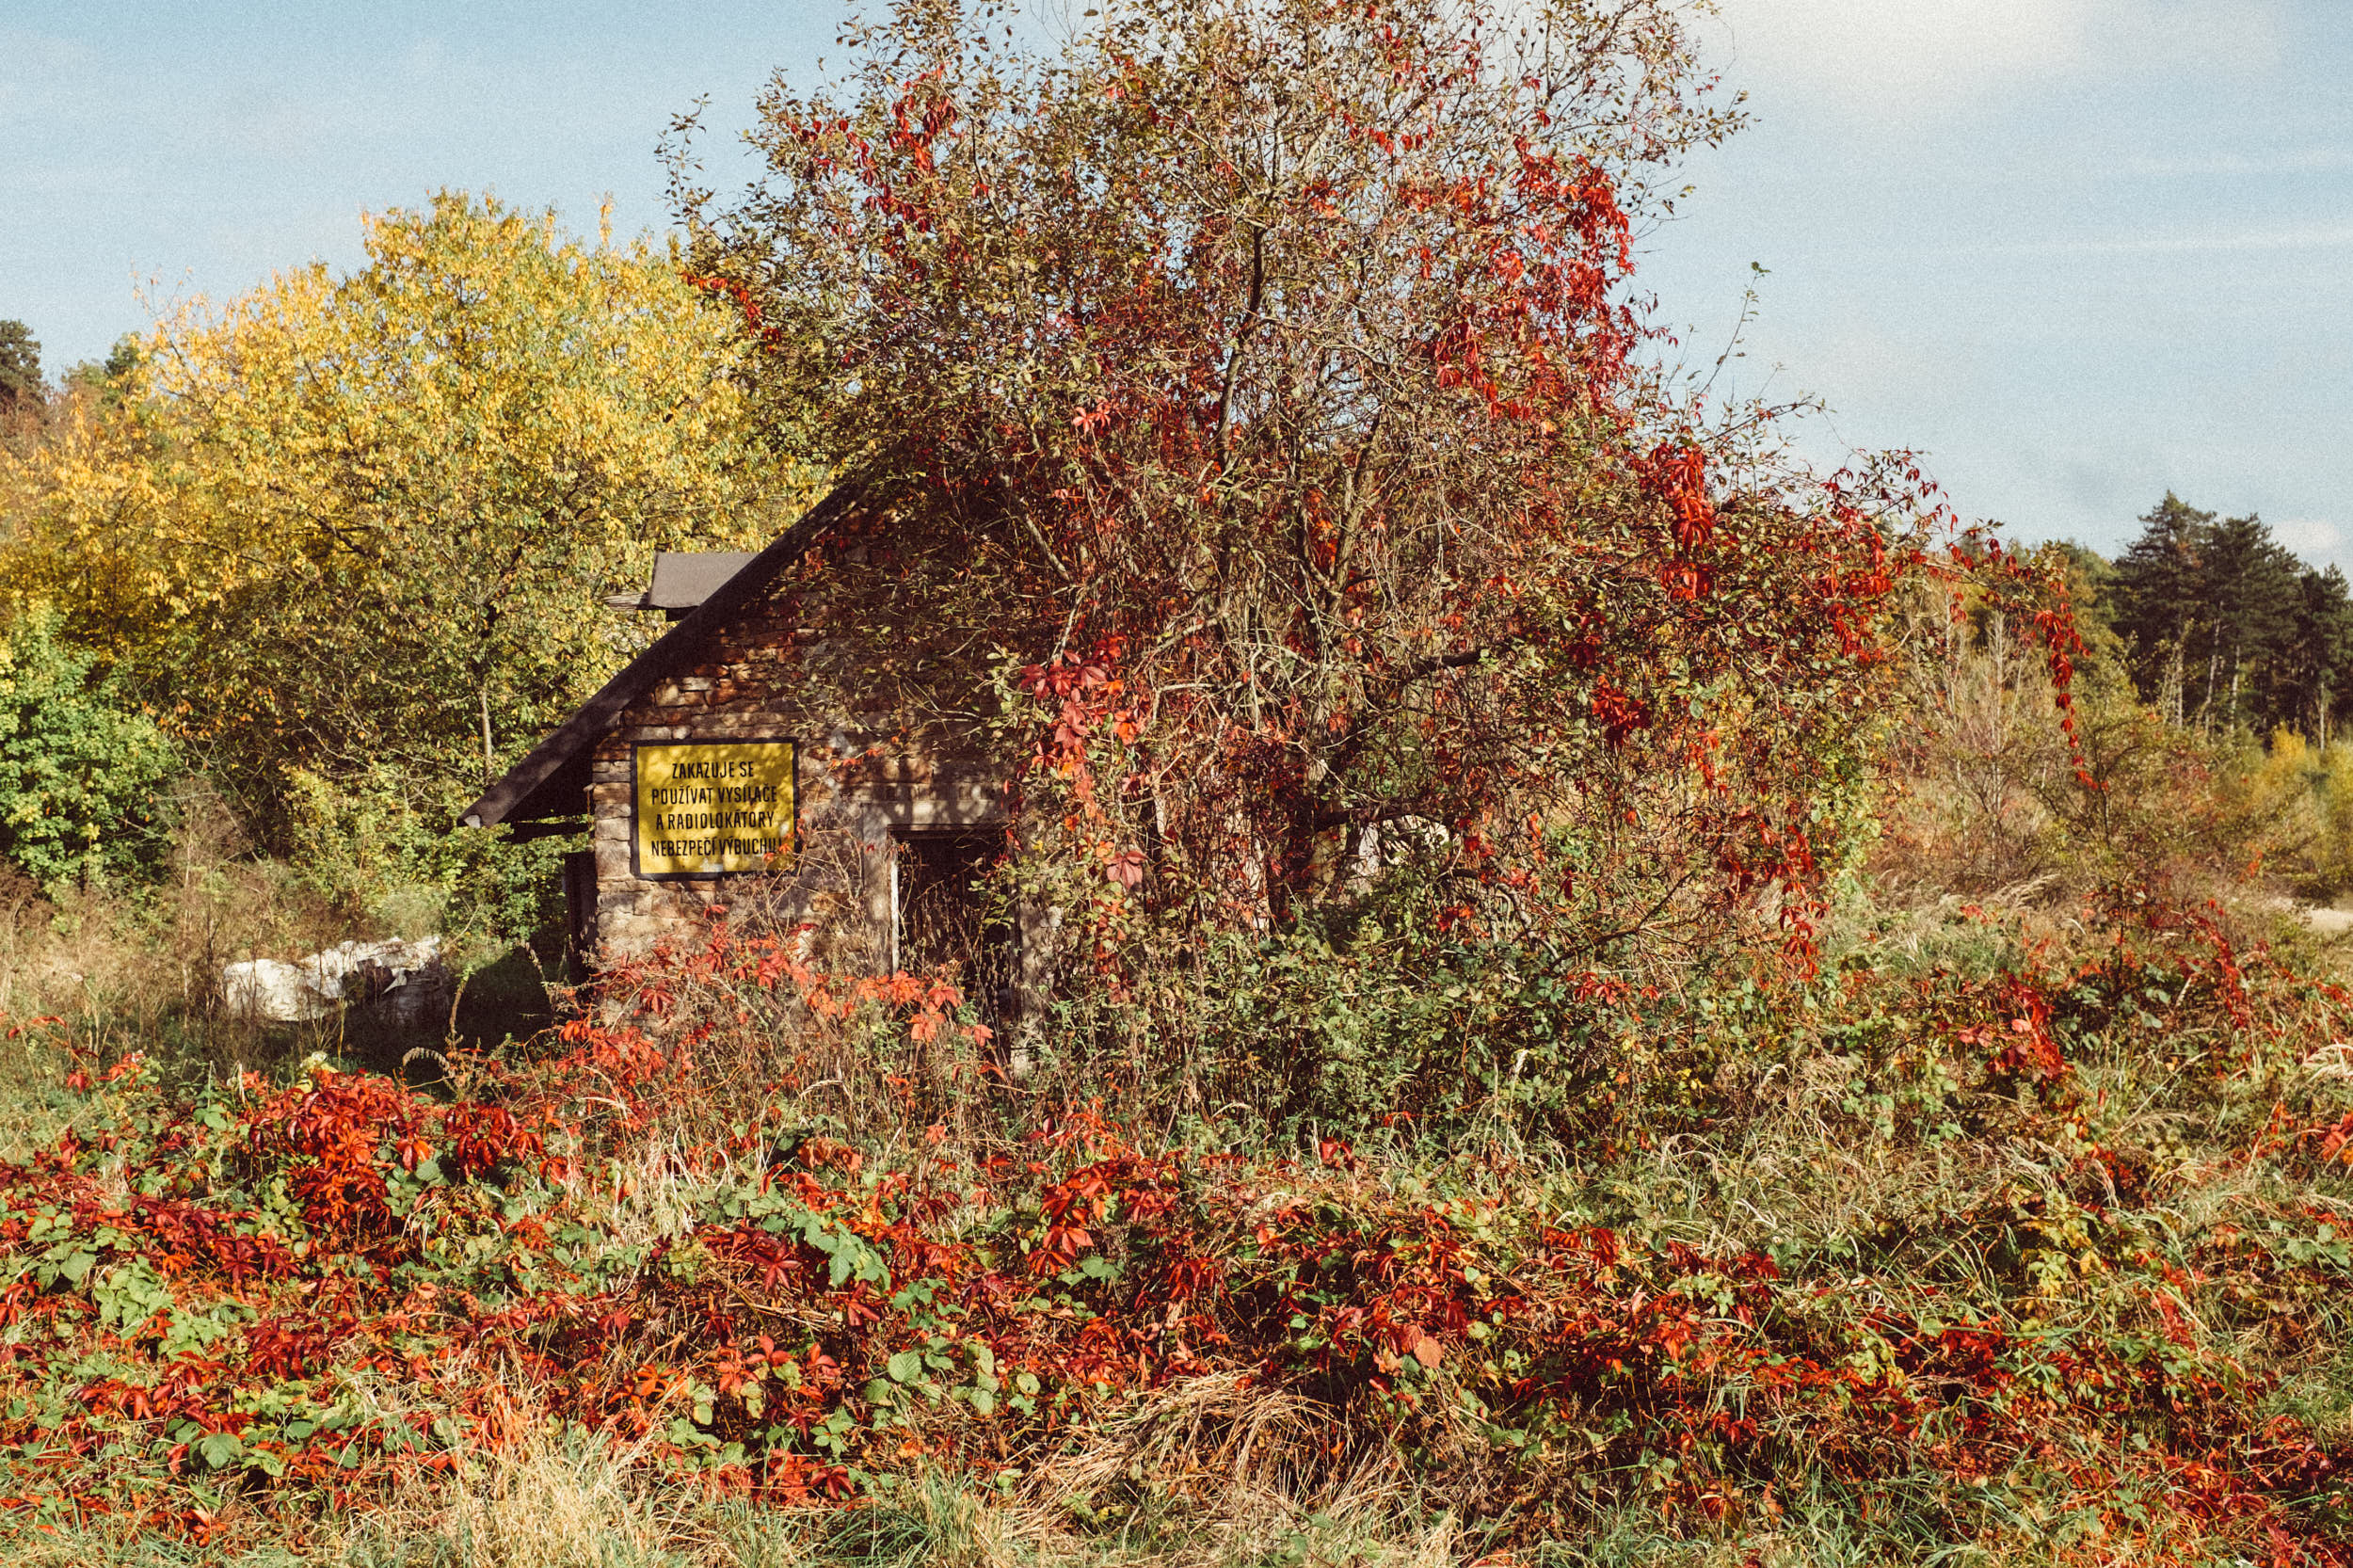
(780, 671)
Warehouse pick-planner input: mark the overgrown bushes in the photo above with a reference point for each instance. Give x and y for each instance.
(1486, 1040)
(1987, 796)
(352, 535)
(2044, 1252)
(83, 768)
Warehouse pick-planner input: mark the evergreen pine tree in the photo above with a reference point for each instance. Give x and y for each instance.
(2223, 625)
(19, 367)
(2320, 662)
(2254, 595)
(2160, 607)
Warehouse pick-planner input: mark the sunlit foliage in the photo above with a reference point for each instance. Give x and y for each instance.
(358, 528)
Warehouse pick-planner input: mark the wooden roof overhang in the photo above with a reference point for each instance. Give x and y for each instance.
(552, 780)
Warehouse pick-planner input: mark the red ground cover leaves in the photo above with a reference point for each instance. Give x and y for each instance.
(276, 1293)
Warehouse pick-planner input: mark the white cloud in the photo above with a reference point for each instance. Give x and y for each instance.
(2304, 160)
(1904, 59)
(2314, 538)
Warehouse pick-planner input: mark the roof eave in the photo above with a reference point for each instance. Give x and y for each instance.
(518, 796)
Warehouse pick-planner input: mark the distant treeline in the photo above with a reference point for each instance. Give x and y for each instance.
(2221, 626)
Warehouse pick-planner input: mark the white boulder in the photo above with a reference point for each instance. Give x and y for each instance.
(397, 982)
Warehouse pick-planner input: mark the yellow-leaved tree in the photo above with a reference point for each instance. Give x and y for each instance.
(352, 535)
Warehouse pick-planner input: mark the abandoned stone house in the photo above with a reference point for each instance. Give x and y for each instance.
(804, 745)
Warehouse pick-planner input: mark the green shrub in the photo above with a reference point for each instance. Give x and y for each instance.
(2333, 856)
(381, 839)
(82, 768)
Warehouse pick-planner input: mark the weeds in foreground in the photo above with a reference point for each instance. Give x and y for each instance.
(2039, 1258)
(581, 1504)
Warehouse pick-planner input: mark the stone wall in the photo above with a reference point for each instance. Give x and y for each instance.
(793, 667)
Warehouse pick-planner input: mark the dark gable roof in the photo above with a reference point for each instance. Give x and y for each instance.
(552, 781)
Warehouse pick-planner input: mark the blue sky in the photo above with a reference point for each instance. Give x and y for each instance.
(2076, 251)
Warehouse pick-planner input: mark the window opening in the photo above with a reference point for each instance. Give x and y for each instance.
(941, 919)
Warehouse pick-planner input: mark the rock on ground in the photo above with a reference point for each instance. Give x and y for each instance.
(395, 982)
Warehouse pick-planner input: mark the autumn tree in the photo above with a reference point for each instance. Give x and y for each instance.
(352, 534)
(1277, 363)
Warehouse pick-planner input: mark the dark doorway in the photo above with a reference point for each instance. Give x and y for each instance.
(580, 914)
(941, 919)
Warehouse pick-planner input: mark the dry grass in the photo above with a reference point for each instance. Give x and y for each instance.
(559, 1499)
(130, 956)
(115, 971)
(1214, 1435)
(551, 1499)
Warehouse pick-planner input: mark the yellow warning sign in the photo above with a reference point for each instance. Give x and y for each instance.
(713, 807)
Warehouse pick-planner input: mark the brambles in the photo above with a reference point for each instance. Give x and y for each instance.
(246, 1300)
